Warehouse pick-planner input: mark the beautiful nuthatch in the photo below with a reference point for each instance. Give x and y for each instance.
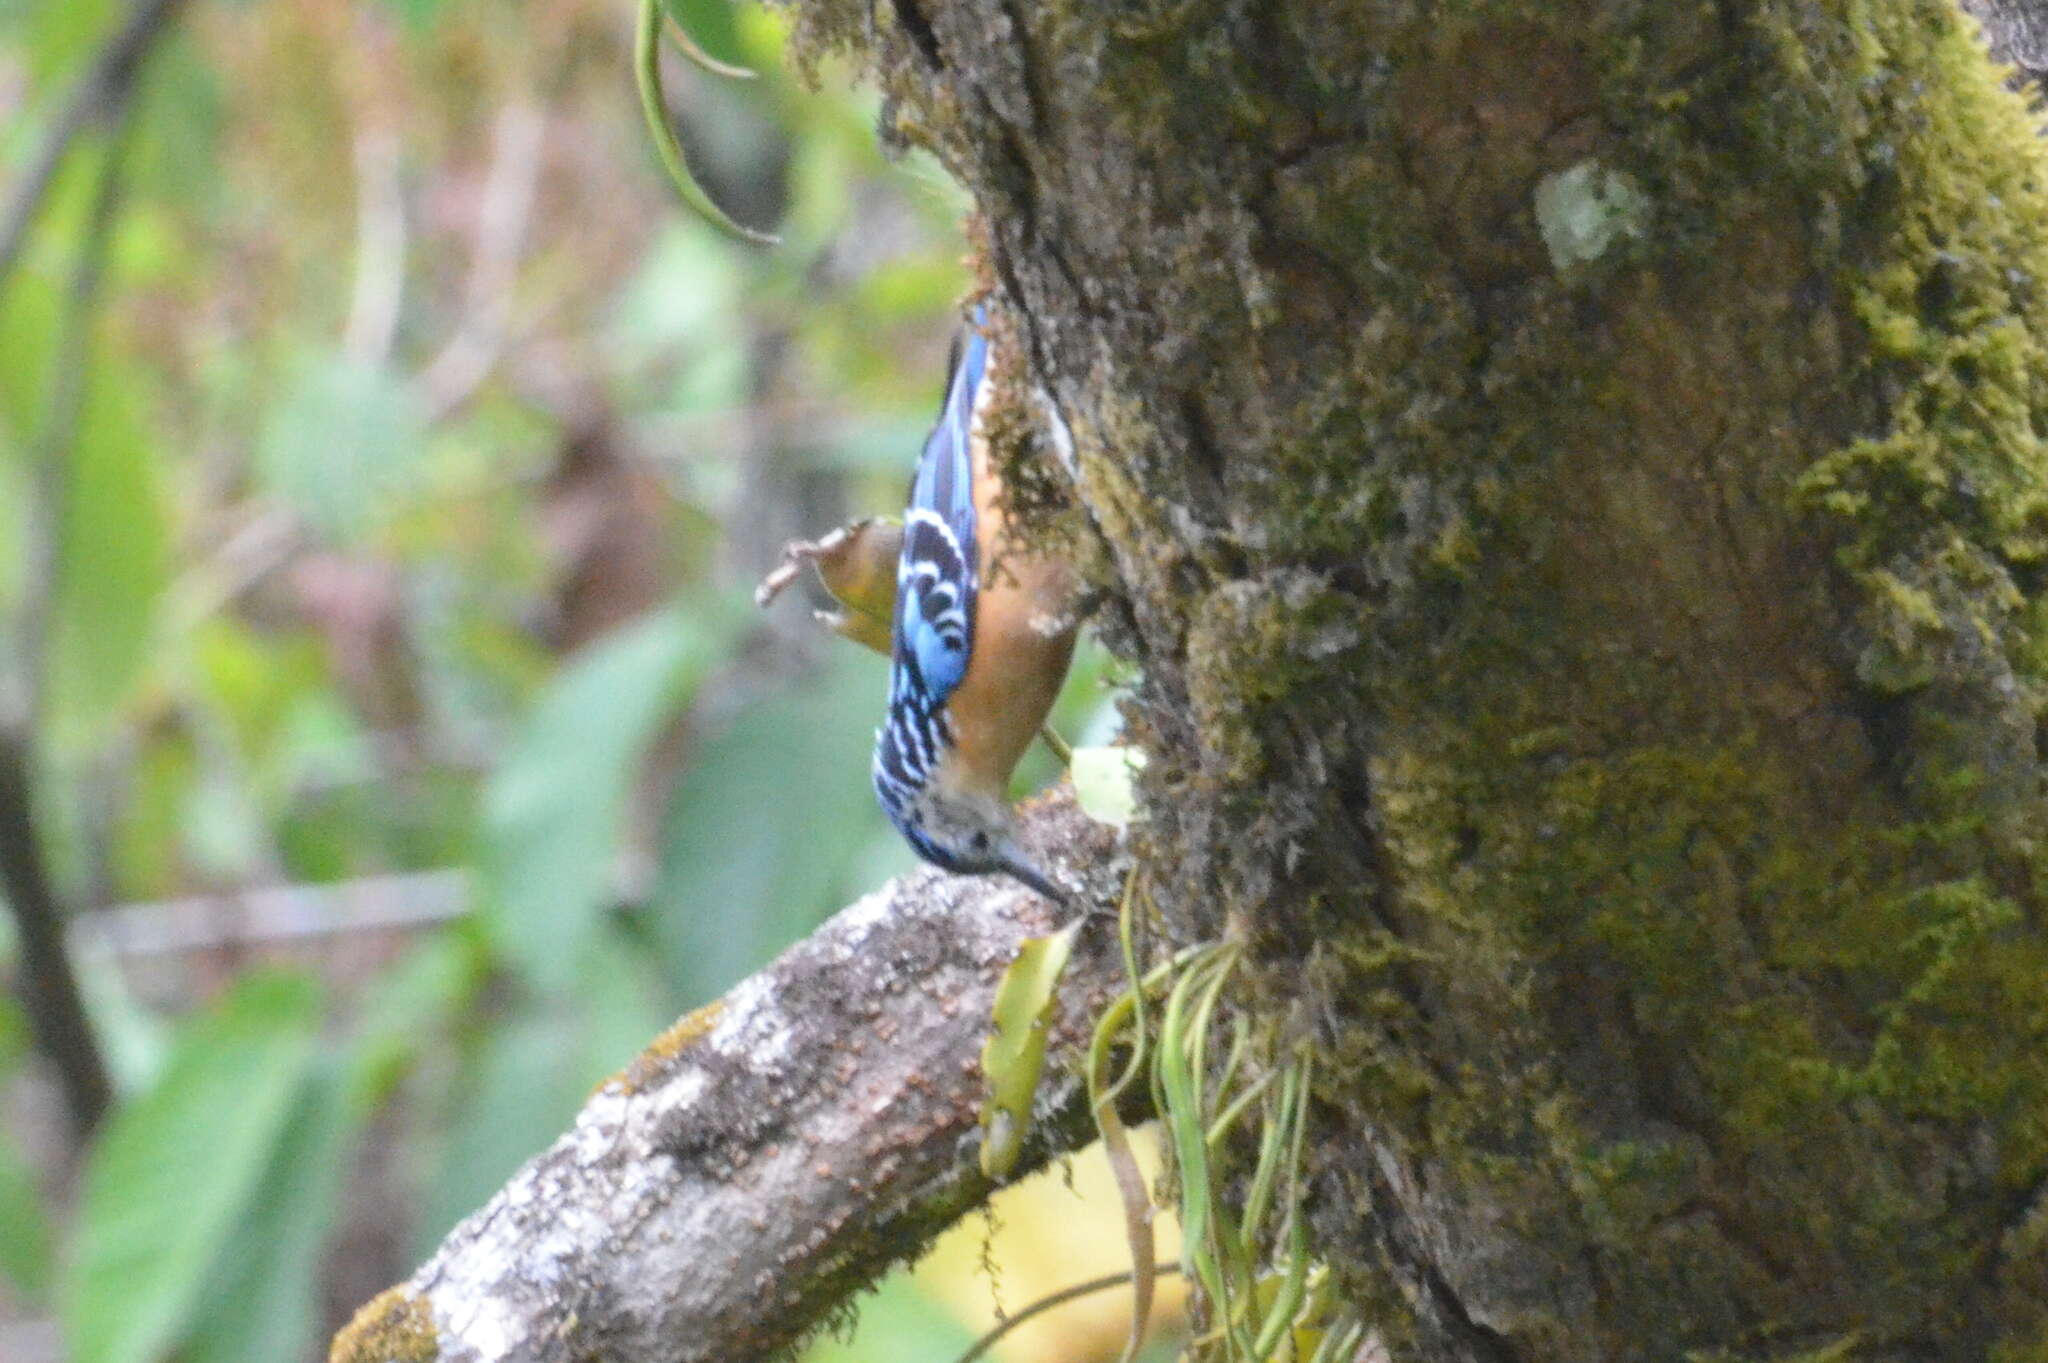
(979, 637)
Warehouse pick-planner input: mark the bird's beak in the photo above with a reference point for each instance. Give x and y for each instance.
(1019, 866)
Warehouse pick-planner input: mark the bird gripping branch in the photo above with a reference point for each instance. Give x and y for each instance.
(980, 633)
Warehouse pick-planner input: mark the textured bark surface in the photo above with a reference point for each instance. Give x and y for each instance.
(1572, 476)
(772, 1154)
(2017, 31)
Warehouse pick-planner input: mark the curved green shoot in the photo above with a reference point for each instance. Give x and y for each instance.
(647, 72)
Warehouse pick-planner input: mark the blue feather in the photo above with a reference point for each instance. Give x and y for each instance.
(937, 577)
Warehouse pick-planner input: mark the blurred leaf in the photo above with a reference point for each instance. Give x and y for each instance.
(526, 1079)
(149, 836)
(883, 856)
(16, 491)
(875, 443)
(177, 1167)
(1104, 783)
(181, 130)
(135, 1040)
(113, 558)
(553, 806)
(416, 822)
(418, 15)
(534, 1070)
(254, 679)
(223, 825)
(25, 1239)
(61, 37)
(29, 309)
(910, 288)
(15, 1039)
(319, 743)
(262, 1297)
(686, 294)
(1086, 714)
(475, 671)
(411, 1002)
(822, 182)
(1089, 710)
(715, 381)
(337, 442)
(624, 1004)
(765, 824)
(897, 1321)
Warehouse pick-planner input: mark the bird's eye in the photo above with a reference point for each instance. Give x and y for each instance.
(981, 842)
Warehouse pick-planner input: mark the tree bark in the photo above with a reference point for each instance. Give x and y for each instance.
(1571, 475)
(2017, 31)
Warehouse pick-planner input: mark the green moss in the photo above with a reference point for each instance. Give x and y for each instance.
(659, 1057)
(1775, 986)
(395, 1326)
(1737, 934)
(1950, 500)
(1252, 645)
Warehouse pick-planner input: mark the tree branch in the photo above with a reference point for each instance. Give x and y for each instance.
(98, 96)
(771, 1154)
(49, 987)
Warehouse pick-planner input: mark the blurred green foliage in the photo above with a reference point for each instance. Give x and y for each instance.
(171, 1187)
(423, 451)
(25, 1241)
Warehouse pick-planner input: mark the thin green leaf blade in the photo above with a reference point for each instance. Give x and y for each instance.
(113, 559)
(1014, 1055)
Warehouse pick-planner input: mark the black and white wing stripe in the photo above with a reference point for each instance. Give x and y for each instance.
(936, 581)
(937, 576)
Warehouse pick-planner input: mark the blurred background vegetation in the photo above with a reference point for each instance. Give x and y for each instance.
(385, 459)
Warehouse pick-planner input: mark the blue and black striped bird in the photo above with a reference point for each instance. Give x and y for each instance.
(979, 644)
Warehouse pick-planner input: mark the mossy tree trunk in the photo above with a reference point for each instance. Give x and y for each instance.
(1572, 475)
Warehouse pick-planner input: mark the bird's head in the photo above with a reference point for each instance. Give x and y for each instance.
(966, 831)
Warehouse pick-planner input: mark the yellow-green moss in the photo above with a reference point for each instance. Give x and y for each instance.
(395, 1326)
(1651, 836)
(1950, 296)
(659, 1055)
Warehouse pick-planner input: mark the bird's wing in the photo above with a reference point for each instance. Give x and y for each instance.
(937, 576)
